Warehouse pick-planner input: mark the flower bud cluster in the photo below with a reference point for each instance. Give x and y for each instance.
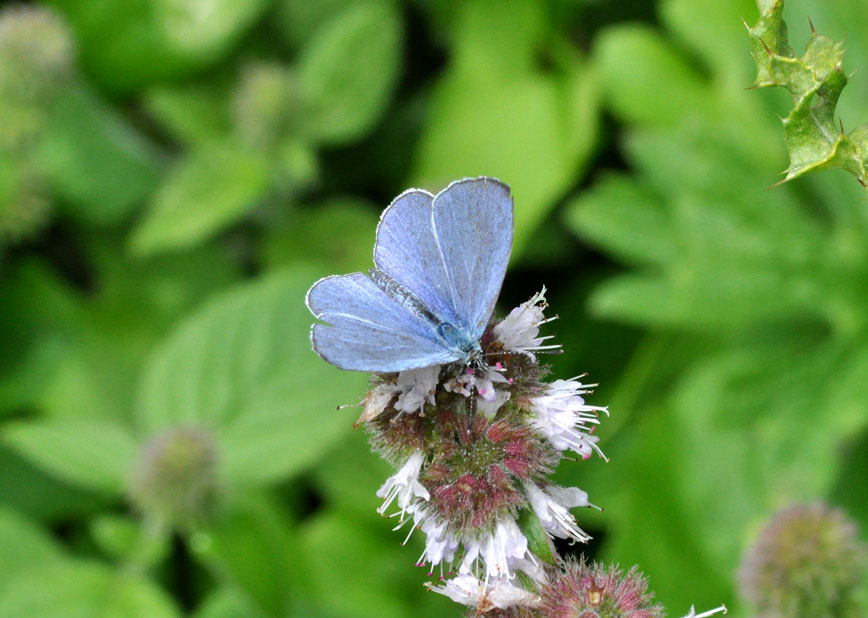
(474, 447)
(808, 561)
(37, 62)
(175, 480)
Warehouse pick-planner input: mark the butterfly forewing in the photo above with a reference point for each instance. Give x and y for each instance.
(473, 228)
(407, 251)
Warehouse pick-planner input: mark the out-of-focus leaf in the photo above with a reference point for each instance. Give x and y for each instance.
(227, 603)
(23, 544)
(715, 30)
(91, 453)
(347, 72)
(194, 114)
(211, 189)
(250, 547)
(94, 160)
(349, 476)
(534, 130)
(645, 79)
(206, 29)
(339, 543)
(627, 218)
(125, 539)
(29, 489)
(81, 590)
(676, 547)
(339, 233)
(242, 366)
(299, 20)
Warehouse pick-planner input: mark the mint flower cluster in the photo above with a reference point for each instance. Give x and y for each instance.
(474, 447)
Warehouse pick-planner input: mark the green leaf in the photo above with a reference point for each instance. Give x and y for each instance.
(309, 235)
(300, 20)
(532, 129)
(23, 544)
(214, 187)
(334, 541)
(121, 44)
(81, 590)
(645, 80)
(815, 137)
(347, 72)
(537, 540)
(130, 541)
(206, 32)
(242, 366)
(626, 218)
(95, 160)
(227, 603)
(94, 454)
(193, 114)
(29, 489)
(251, 548)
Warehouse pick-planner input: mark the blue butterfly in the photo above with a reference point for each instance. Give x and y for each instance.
(439, 262)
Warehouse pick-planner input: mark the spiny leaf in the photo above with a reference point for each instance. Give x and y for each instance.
(815, 82)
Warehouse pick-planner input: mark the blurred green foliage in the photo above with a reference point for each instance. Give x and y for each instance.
(175, 174)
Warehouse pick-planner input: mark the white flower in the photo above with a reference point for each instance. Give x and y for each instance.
(717, 610)
(552, 506)
(519, 331)
(489, 408)
(440, 544)
(497, 551)
(375, 402)
(404, 485)
(561, 415)
(485, 596)
(416, 388)
(481, 379)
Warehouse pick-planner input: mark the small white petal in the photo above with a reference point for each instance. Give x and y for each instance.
(404, 485)
(485, 596)
(717, 610)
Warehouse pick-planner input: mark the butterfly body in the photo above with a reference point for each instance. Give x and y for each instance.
(439, 262)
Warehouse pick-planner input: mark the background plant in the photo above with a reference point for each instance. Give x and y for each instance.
(174, 175)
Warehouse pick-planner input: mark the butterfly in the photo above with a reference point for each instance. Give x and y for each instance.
(439, 263)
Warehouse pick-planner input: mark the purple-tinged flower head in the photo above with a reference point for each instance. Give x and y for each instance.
(583, 590)
(265, 107)
(175, 479)
(37, 55)
(473, 451)
(807, 562)
(573, 589)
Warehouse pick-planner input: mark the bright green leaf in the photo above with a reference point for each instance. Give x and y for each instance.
(205, 30)
(242, 366)
(81, 590)
(94, 454)
(250, 547)
(95, 160)
(626, 218)
(347, 72)
(310, 235)
(193, 114)
(23, 544)
(645, 80)
(211, 189)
